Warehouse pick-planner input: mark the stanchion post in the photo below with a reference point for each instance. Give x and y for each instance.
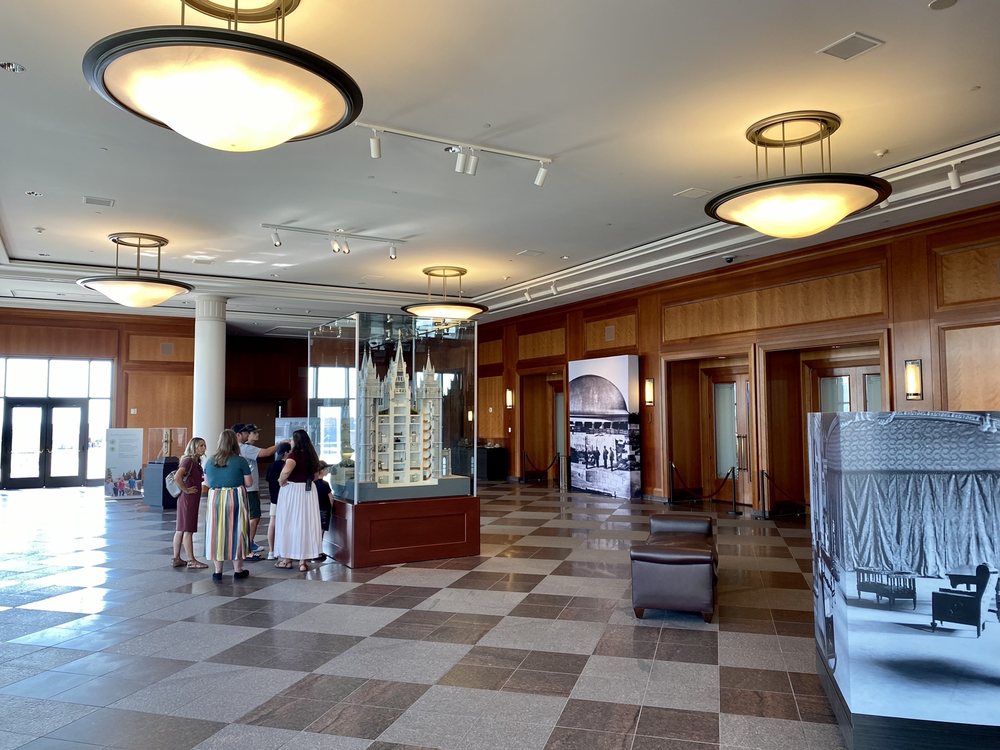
(736, 476)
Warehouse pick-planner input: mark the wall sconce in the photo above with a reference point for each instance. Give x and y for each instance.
(508, 396)
(470, 416)
(913, 380)
(648, 388)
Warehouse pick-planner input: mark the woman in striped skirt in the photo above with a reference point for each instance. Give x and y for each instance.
(227, 475)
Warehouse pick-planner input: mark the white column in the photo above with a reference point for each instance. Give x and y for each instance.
(209, 368)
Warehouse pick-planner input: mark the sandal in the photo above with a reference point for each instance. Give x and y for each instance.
(196, 565)
(303, 568)
(179, 562)
(283, 564)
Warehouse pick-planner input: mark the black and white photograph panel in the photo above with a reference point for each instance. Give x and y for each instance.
(604, 425)
(906, 530)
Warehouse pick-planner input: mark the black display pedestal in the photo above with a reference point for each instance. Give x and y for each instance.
(154, 489)
(491, 464)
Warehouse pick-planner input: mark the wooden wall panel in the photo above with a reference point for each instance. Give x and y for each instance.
(971, 361)
(165, 348)
(491, 408)
(969, 275)
(159, 400)
(786, 426)
(610, 333)
(22, 340)
(551, 343)
(845, 295)
(491, 352)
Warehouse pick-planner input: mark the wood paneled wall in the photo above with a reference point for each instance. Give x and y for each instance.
(929, 290)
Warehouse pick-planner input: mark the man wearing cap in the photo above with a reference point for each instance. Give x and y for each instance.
(247, 434)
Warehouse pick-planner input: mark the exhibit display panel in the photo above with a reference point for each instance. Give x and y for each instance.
(906, 552)
(392, 395)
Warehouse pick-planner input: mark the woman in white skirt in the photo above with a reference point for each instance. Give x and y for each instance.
(298, 530)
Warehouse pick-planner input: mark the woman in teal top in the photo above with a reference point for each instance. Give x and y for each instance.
(227, 475)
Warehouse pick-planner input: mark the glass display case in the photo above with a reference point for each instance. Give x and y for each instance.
(394, 400)
(165, 442)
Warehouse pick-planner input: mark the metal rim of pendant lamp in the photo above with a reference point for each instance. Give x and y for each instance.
(113, 65)
(136, 290)
(445, 308)
(798, 205)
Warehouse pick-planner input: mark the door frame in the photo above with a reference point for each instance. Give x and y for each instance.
(709, 377)
(44, 478)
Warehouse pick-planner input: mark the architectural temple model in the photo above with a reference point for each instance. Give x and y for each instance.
(399, 432)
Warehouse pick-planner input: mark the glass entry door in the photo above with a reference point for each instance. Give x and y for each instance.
(44, 442)
(730, 441)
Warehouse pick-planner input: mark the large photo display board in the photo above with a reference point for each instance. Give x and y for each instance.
(906, 550)
(604, 425)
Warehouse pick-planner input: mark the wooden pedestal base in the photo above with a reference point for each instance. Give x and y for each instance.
(401, 531)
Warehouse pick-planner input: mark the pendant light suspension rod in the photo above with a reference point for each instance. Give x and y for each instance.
(452, 142)
(335, 233)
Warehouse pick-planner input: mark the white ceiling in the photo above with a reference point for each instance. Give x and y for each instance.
(634, 101)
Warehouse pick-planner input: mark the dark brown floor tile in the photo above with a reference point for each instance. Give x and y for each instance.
(554, 531)
(798, 541)
(262, 619)
(693, 637)
(731, 533)
(281, 712)
(472, 676)
(351, 720)
(517, 552)
(547, 600)
(246, 656)
(799, 629)
(519, 587)
(815, 708)
(534, 522)
(581, 614)
(758, 703)
(541, 683)
(507, 539)
(731, 612)
(605, 717)
(463, 563)
(491, 656)
(551, 553)
(536, 610)
(685, 653)
(218, 616)
(474, 618)
(761, 627)
(781, 580)
(332, 644)
(422, 617)
(298, 660)
(357, 599)
(697, 726)
(399, 601)
(322, 687)
(792, 615)
(631, 633)
(551, 661)
(459, 633)
(592, 602)
(563, 738)
(387, 694)
(730, 580)
(773, 551)
(662, 743)
(805, 684)
(740, 678)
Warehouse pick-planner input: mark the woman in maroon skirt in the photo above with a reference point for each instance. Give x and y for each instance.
(189, 477)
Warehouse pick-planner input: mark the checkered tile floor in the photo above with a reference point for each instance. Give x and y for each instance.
(532, 644)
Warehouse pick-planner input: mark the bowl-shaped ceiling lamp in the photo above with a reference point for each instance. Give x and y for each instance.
(225, 89)
(444, 307)
(797, 205)
(136, 290)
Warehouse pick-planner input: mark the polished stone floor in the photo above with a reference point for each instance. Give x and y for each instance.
(532, 644)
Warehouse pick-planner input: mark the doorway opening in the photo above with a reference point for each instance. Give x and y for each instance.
(543, 422)
(55, 415)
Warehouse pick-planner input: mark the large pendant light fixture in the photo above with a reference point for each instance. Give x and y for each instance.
(445, 308)
(803, 204)
(224, 88)
(136, 290)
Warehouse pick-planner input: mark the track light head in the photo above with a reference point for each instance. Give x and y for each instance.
(543, 172)
(527, 296)
(392, 252)
(461, 159)
(375, 144)
(345, 247)
(554, 289)
(275, 239)
(473, 162)
(334, 245)
(954, 178)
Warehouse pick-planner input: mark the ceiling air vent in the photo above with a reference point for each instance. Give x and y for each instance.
(91, 200)
(851, 46)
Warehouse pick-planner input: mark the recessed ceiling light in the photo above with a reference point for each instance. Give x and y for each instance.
(563, 257)
(33, 194)
(44, 255)
(9, 66)
(250, 262)
(275, 276)
(506, 278)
